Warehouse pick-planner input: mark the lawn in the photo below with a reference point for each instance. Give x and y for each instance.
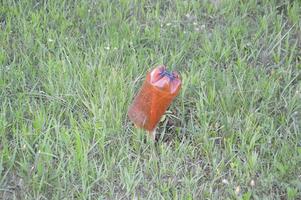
(70, 69)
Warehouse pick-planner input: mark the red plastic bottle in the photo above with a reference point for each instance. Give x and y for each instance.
(156, 94)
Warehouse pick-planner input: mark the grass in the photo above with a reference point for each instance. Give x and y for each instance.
(69, 70)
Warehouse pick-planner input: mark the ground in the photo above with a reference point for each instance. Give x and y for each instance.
(70, 69)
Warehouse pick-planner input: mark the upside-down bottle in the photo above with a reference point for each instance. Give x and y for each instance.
(156, 94)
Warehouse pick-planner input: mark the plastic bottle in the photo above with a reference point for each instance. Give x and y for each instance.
(156, 94)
